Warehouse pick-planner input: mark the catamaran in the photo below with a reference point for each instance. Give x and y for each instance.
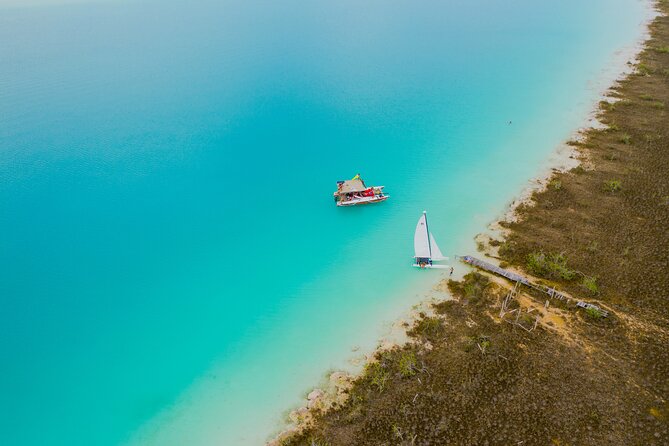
(352, 192)
(425, 246)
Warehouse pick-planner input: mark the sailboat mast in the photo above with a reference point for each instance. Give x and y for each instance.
(429, 243)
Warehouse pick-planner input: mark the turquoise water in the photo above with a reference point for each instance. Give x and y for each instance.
(173, 269)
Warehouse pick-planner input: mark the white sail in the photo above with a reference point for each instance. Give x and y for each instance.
(436, 252)
(421, 244)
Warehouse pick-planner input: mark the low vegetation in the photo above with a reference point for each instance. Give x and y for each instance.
(593, 314)
(427, 327)
(407, 364)
(613, 186)
(555, 184)
(377, 374)
(472, 288)
(578, 170)
(590, 284)
(644, 69)
(551, 265)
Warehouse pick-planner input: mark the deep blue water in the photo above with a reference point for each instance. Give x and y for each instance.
(173, 269)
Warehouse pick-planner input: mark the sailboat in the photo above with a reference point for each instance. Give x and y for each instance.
(426, 250)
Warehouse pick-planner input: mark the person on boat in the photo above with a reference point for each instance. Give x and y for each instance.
(358, 177)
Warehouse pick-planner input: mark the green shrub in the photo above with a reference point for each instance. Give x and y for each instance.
(643, 69)
(578, 170)
(646, 97)
(662, 49)
(625, 138)
(590, 284)
(605, 105)
(378, 375)
(555, 184)
(318, 442)
(397, 431)
(474, 285)
(551, 265)
(506, 249)
(657, 104)
(427, 326)
(470, 290)
(593, 313)
(469, 343)
(613, 186)
(407, 364)
(595, 418)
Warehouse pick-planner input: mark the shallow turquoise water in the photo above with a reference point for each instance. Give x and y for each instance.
(172, 267)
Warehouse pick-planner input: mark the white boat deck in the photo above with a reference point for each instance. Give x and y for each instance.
(363, 200)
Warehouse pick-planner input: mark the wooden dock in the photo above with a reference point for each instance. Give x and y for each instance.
(496, 269)
(514, 277)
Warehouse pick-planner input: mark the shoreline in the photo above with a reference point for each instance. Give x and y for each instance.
(566, 155)
(332, 391)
